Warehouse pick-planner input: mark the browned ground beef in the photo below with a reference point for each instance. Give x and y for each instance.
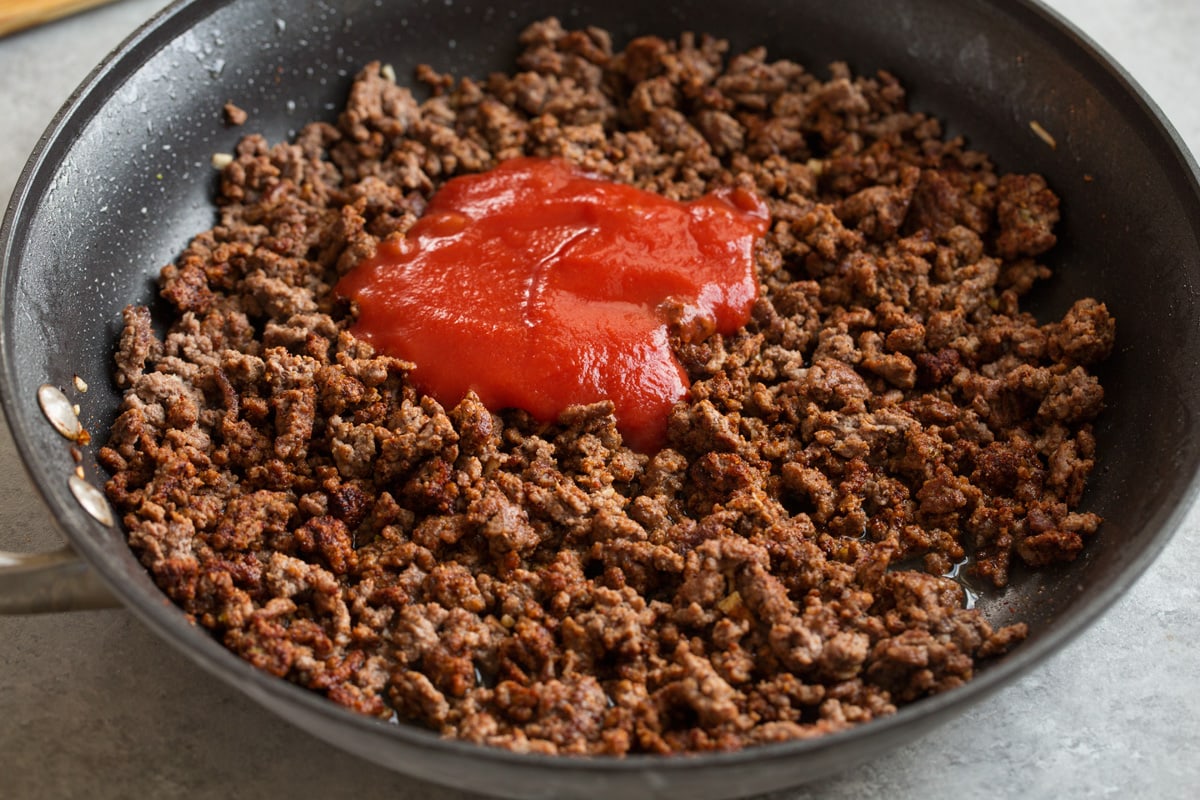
(541, 587)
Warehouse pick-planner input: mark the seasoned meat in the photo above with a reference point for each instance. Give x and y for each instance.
(889, 417)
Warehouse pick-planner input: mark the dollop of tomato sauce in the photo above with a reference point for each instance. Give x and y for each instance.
(539, 286)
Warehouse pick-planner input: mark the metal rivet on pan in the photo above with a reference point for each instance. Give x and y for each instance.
(92, 499)
(59, 410)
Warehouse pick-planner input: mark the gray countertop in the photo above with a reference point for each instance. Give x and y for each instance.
(92, 705)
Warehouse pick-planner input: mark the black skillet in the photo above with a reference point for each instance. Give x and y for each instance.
(123, 178)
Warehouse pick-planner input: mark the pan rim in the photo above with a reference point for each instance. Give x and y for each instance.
(168, 622)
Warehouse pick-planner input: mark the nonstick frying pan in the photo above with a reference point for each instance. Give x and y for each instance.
(122, 180)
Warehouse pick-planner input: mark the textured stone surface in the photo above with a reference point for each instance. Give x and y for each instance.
(92, 705)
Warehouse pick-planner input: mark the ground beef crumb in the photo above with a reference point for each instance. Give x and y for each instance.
(780, 570)
(234, 115)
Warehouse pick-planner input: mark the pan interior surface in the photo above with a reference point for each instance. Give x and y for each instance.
(124, 179)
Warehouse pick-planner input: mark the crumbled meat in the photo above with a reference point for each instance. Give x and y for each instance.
(889, 417)
(1026, 211)
(234, 115)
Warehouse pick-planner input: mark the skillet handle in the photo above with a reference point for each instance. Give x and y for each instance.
(37, 583)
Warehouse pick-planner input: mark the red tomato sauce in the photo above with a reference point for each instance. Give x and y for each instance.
(539, 286)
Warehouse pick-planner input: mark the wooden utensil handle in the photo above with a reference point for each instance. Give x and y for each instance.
(18, 14)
